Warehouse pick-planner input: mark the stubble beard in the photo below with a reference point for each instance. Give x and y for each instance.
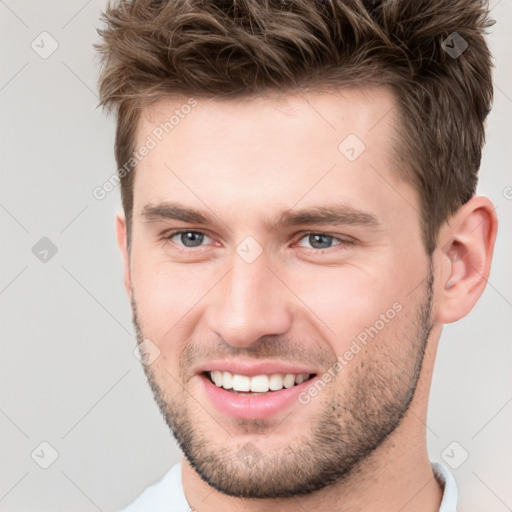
(356, 419)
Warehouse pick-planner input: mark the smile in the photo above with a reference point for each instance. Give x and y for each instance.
(254, 397)
(237, 383)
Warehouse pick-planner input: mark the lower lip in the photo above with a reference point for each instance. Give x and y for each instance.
(252, 406)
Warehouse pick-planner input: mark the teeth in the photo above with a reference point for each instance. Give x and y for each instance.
(217, 378)
(227, 380)
(289, 380)
(276, 382)
(241, 383)
(258, 383)
(299, 379)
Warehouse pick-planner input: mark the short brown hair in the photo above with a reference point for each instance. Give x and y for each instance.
(151, 49)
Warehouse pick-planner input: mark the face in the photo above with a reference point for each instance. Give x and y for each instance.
(279, 280)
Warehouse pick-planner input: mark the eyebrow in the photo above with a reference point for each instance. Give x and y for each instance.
(340, 214)
(171, 211)
(334, 214)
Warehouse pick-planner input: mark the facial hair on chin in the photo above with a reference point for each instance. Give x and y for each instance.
(336, 441)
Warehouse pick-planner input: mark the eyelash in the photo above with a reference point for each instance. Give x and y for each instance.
(191, 250)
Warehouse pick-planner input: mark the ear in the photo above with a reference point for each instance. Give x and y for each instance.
(463, 258)
(122, 243)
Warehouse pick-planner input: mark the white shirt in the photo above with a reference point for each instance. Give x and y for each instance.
(167, 494)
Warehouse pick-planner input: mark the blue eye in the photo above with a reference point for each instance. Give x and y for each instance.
(189, 239)
(191, 242)
(320, 241)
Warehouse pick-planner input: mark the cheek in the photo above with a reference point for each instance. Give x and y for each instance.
(165, 294)
(345, 302)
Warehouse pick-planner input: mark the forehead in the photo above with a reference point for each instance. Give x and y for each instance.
(269, 152)
(299, 117)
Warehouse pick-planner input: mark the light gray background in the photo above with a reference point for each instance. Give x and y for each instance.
(68, 373)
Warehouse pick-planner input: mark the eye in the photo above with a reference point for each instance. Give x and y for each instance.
(189, 239)
(319, 241)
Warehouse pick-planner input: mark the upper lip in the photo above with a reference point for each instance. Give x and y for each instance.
(252, 368)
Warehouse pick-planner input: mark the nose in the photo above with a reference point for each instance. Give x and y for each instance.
(250, 302)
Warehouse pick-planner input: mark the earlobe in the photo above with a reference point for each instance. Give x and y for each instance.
(123, 248)
(464, 255)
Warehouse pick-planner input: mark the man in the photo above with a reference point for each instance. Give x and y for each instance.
(298, 185)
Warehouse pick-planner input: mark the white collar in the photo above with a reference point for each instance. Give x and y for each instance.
(447, 481)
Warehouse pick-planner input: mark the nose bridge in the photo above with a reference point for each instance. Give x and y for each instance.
(249, 303)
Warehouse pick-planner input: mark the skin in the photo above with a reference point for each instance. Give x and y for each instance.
(246, 161)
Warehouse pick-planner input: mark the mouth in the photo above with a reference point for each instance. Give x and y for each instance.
(255, 389)
(258, 384)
